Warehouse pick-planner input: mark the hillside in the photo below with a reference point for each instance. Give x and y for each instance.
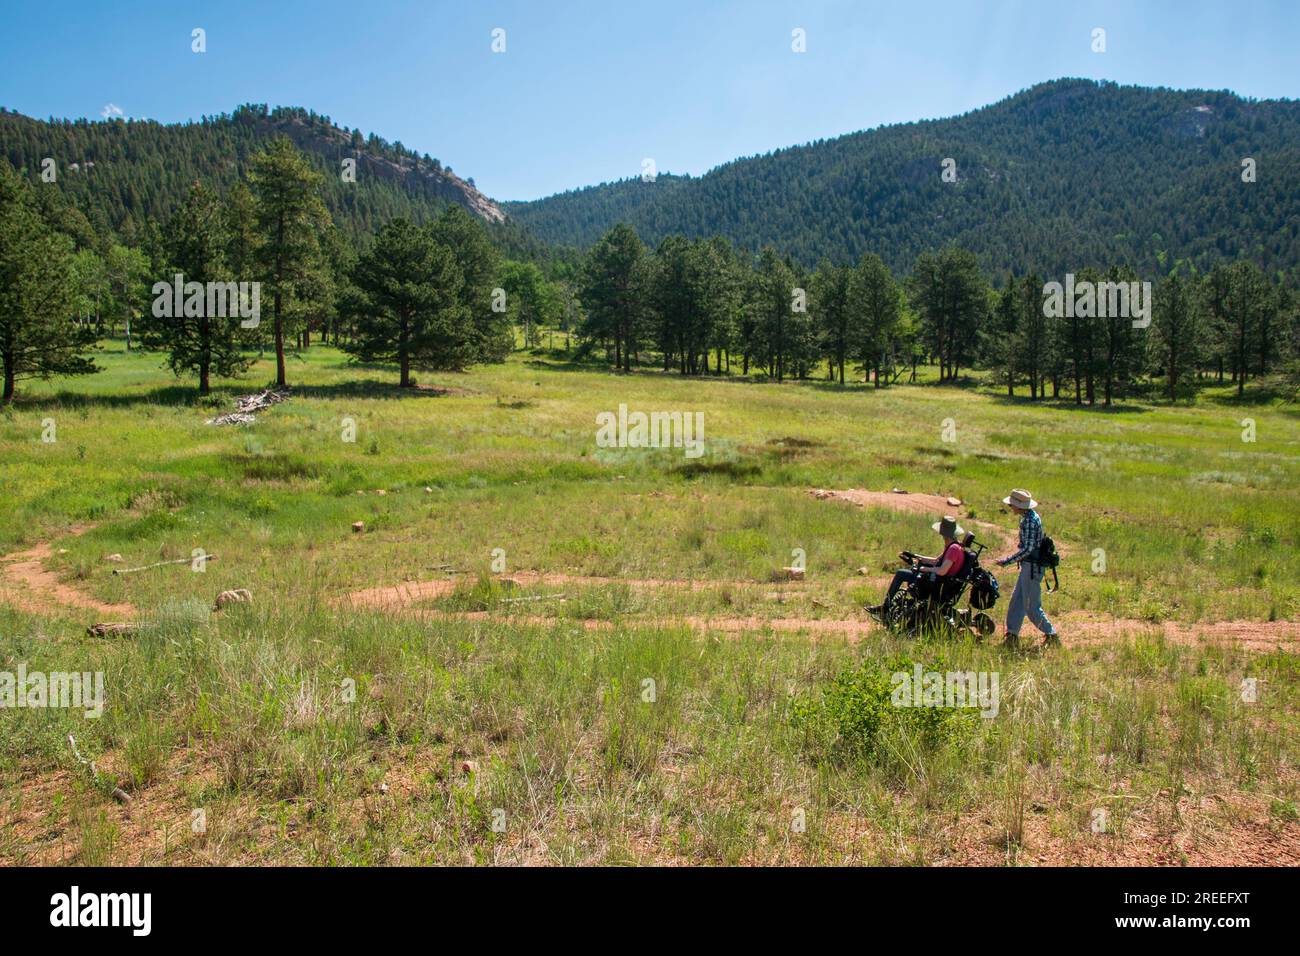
(1066, 174)
(122, 172)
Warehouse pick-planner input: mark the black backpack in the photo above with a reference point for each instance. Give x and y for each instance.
(1049, 560)
(983, 589)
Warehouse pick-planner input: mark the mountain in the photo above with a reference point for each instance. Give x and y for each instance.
(121, 172)
(1066, 174)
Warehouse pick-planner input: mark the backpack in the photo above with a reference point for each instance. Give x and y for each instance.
(983, 589)
(1048, 559)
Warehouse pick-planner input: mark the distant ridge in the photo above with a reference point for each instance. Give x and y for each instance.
(121, 172)
(1068, 173)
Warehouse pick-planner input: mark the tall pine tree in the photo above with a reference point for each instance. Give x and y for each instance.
(290, 217)
(410, 308)
(38, 335)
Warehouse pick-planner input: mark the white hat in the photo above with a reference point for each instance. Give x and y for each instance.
(1019, 498)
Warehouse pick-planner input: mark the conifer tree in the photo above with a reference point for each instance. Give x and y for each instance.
(410, 308)
(289, 218)
(206, 335)
(38, 335)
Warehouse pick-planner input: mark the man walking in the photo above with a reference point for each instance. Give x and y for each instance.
(1027, 599)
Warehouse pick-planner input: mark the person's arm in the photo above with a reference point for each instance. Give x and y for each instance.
(943, 569)
(1028, 542)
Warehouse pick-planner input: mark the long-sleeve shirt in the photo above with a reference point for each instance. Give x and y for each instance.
(1031, 535)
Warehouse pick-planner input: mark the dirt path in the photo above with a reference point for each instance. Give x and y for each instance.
(409, 592)
(1078, 628)
(27, 585)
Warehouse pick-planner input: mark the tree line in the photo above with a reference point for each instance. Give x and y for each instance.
(415, 296)
(700, 305)
(441, 295)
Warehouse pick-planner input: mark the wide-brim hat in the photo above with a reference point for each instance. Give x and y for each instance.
(1020, 498)
(948, 527)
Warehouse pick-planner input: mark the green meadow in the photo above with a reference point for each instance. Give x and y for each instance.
(607, 722)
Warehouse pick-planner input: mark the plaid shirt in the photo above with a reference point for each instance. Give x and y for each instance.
(1031, 536)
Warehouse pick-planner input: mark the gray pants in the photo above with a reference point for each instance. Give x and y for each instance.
(1027, 599)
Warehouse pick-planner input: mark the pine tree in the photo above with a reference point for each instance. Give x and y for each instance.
(724, 299)
(532, 301)
(1036, 354)
(1240, 301)
(410, 309)
(289, 220)
(478, 262)
(671, 298)
(837, 331)
(241, 230)
(1177, 330)
(774, 302)
(38, 336)
(878, 299)
(1121, 356)
(198, 340)
(951, 297)
(1004, 341)
(613, 281)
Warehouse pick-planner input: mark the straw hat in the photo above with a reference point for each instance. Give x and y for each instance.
(1019, 498)
(948, 527)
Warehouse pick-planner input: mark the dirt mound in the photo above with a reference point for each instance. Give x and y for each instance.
(931, 506)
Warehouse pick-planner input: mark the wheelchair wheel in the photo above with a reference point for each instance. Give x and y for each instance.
(902, 613)
(983, 625)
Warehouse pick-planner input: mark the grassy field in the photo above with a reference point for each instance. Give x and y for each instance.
(682, 703)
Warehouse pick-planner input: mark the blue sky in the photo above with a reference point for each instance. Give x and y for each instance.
(586, 90)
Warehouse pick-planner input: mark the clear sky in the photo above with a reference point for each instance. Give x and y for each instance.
(586, 90)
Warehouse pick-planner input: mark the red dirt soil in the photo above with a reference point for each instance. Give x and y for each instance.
(1078, 628)
(27, 585)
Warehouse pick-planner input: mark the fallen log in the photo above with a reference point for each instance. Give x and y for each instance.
(120, 795)
(247, 405)
(159, 564)
(113, 629)
(536, 597)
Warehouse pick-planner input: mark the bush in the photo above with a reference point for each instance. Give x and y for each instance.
(855, 714)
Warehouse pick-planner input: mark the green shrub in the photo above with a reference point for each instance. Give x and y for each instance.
(855, 713)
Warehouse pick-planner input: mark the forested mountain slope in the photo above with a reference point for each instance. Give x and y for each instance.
(121, 173)
(1060, 176)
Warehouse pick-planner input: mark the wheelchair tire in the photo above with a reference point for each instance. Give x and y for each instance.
(983, 625)
(902, 613)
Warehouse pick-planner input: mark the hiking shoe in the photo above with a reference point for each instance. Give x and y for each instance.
(1052, 640)
(1012, 643)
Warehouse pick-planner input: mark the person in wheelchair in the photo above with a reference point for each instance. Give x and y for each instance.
(928, 575)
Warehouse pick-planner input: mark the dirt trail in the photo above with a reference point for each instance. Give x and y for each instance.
(27, 585)
(409, 592)
(1078, 628)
